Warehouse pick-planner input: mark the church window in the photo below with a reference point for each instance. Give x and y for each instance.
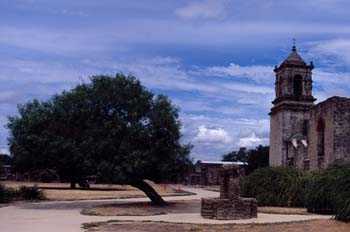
(305, 127)
(297, 86)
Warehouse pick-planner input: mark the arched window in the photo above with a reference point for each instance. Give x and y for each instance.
(305, 127)
(298, 86)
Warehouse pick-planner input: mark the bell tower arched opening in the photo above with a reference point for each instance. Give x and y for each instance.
(298, 86)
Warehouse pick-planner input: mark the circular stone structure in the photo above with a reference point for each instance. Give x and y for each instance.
(230, 206)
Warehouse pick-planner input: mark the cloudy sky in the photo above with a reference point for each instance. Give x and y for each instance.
(214, 58)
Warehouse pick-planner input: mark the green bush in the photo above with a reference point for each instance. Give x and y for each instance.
(23, 193)
(275, 186)
(30, 193)
(3, 194)
(7, 194)
(329, 192)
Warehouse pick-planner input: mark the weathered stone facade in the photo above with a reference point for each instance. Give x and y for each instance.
(230, 206)
(329, 136)
(302, 134)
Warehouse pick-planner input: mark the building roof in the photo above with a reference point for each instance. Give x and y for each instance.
(294, 58)
(221, 162)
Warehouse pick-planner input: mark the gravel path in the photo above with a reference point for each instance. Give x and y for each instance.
(65, 215)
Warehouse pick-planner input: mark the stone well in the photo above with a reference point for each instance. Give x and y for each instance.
(230, 206)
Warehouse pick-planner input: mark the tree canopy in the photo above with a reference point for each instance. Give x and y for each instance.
(256, 158)
(112, 127)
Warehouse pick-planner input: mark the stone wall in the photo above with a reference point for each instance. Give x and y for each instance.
(335, 113)
(275, 157)
(230, 205)
(285, 124)
(210, 174)
(341, 126)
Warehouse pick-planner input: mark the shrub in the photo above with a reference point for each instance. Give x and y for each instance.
(30, 193)
(7, 194)
(275, 186)
(329, 192)
(3, 194)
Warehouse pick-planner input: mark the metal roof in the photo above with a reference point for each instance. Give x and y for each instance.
(221, 162)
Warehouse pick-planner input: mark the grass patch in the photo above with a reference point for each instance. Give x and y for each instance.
(62, 192)
(143, 208)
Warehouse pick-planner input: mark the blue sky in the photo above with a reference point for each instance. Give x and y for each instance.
(214, 58)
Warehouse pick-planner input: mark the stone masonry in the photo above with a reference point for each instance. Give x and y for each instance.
(302, 134)
(230, 206)
(334, 147)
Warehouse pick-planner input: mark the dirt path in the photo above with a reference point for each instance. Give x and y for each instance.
(65, 215)
(309, 226)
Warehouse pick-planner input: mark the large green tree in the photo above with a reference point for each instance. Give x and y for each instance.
(112, 127)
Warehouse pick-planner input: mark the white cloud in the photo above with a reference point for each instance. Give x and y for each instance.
(210, 135)
(257, 73)
(203, 9)
(252, 141)
(335, 52)
(234, 128)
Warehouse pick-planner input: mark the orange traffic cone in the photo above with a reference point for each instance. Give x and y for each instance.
(179, 189)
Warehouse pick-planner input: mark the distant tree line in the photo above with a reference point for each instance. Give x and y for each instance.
(256, 158)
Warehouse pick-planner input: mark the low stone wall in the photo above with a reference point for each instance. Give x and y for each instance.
(230, 206)
(227, 209)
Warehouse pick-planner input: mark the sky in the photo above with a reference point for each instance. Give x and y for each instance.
(213, 58)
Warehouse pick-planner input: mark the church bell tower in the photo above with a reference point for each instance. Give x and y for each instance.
(290, 114)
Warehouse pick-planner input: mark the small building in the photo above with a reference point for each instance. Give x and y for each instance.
(6, 172)
(208, 172)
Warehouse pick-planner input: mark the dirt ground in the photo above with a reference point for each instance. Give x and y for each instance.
(309, 226)
(147, 209)
(143, 208)
(61, 191)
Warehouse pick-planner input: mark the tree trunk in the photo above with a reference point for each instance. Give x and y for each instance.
(149, 191)
(72, 185)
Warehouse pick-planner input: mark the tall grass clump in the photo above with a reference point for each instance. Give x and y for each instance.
(276, 186)
(329, 192)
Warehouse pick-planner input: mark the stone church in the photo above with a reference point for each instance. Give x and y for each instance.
(303, 134)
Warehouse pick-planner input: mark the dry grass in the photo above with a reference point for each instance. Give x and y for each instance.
(282, 210)
(147, 209)
(310, 226)
(61, 191)
(143, 208)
